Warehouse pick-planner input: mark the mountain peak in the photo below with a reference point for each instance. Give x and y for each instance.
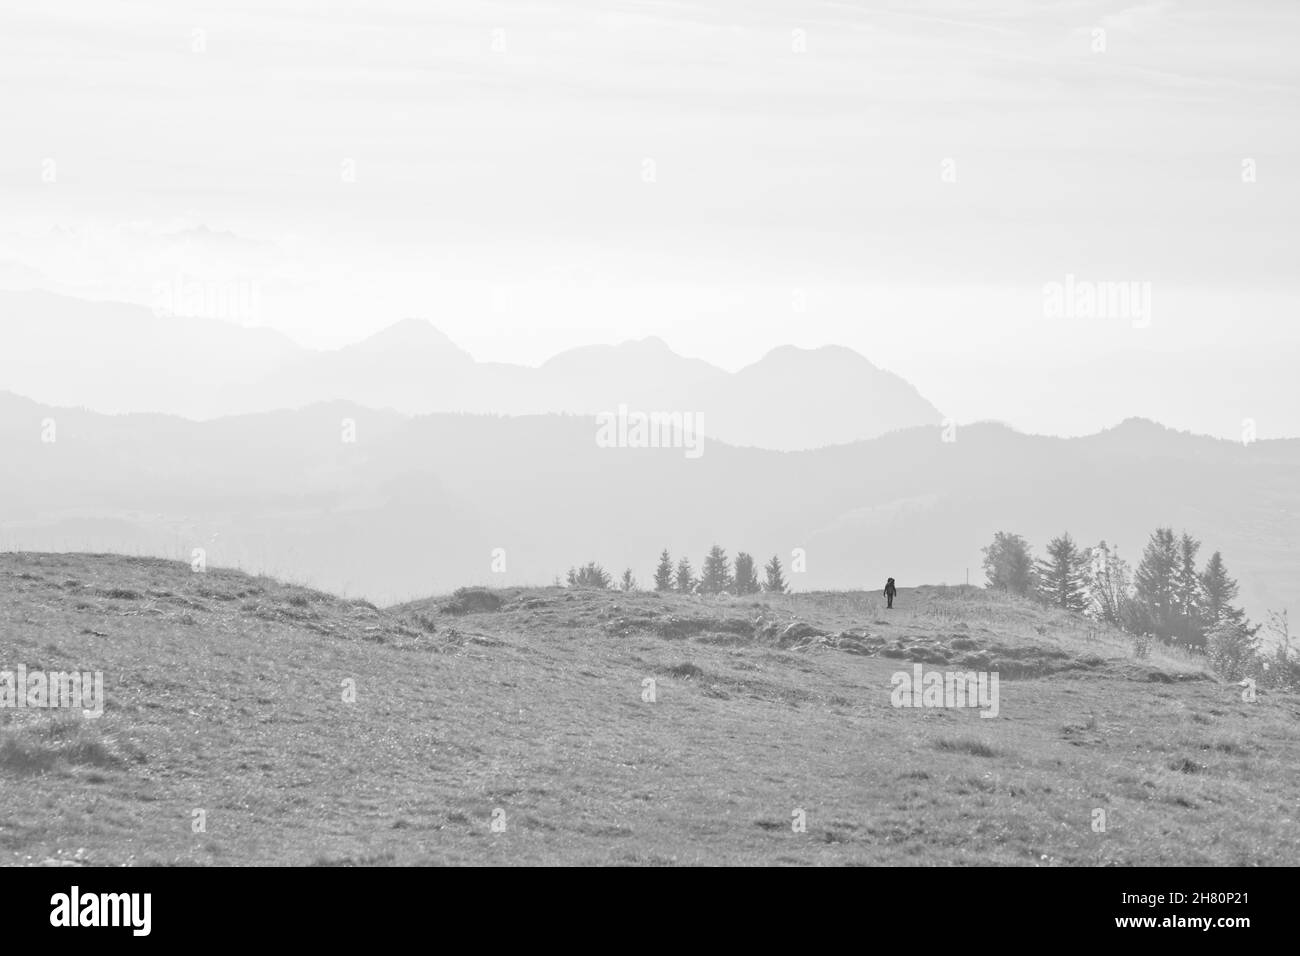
(818, 356)
(650, 343)
(1136, 428)
(1136, 423)
(408, 334)
(648, 351)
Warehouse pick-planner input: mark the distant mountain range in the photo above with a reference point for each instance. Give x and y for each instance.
(417, 505)
(118, 358)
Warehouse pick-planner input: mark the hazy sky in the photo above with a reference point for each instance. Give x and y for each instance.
(901, 178)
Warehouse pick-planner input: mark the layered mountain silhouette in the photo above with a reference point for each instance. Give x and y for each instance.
(120, 358)
(420, 504)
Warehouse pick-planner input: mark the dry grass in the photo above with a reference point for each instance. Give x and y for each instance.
(41, 745)
(225, 693)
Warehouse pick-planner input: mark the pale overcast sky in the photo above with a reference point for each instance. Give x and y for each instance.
(900, 178)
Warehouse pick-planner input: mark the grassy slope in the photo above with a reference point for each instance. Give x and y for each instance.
(225, 693)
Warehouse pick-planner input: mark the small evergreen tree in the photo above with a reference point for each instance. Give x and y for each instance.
(746, 576)
(664, 572)
(1188, 621)
(1060, 577)
(684, 581)
(628, 583)
(1154, 582)
(775, 582)
(715, 576)
(1008, 564)
(1218, 591)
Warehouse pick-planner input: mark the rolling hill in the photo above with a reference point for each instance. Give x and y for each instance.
(227, 706)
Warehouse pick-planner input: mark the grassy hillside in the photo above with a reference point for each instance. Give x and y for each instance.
(225, 694)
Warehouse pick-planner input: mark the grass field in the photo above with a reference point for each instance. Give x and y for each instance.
(226, 695)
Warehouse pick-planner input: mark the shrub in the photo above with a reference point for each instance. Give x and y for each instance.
(473, 600)
(1281, 668)
(1231, 650)
(966, 745)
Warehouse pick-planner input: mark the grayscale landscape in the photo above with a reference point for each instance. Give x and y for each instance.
(649, 434)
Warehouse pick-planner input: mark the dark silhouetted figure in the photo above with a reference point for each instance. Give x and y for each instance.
(890, 591)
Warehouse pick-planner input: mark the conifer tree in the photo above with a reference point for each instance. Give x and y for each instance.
(1060, 577)
(746, 576)
(664, 572)
(684, 581)
(1188, 614)
(1154, 582)
(775, 582)
(715, 575)
(1218, 591)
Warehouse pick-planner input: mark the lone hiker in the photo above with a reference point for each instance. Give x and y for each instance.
(890, 591)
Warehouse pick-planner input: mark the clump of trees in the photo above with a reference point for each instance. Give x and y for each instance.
(1167, 597)
(718, 574)
(1180, 604)
(590, 575)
